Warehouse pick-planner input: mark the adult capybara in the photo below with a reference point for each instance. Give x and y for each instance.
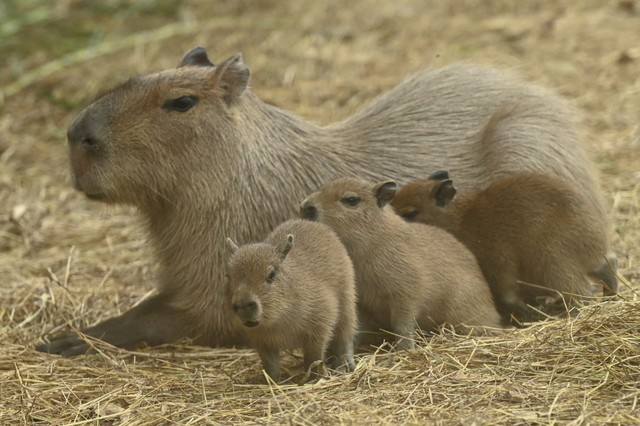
(295, 290)
(524, 229)
(407, 274)
(202, 157)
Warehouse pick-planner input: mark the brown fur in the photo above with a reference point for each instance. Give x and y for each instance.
(530, 227)
(232, 163)
(309, 303)
(406, 274)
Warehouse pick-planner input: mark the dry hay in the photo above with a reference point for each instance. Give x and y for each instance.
(583, 369)
(65, 261)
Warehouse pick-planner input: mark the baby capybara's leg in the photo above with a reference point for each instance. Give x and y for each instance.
(270, 358)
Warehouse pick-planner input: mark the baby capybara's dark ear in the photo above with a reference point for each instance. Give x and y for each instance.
(439, 175)
(444, 192)
(196, 57)
(286, 248)
(384, 192)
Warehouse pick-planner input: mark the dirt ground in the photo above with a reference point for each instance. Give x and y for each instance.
(65, 260)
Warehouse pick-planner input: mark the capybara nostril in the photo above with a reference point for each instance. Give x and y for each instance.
(90, 144)
(245, 307)
(308, 211)
(84, 132)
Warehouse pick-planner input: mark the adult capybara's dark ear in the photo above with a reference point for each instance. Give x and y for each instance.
(444, 192)
(233, 78)
(196, 57)
(384, 192)
(439, 175)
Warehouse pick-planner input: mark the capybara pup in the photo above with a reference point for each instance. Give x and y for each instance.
(407, 275)
(295, 289)
(531, 227)
(202, 158)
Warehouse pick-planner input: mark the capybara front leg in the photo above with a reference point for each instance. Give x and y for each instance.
(403, 325)
(270, 358)
(152, 323)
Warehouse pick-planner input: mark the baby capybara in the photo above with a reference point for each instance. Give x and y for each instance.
(407, 275)
(529, 232)
(295, 290)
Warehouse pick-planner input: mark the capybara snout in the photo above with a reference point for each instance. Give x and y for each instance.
(249, 312)
(85, 151)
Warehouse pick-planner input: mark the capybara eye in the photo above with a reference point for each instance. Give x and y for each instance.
(271, 277)
(410, 215)
(182, 104)
(350, 201)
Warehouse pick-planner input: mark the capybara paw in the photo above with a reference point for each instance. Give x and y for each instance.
(68, 345)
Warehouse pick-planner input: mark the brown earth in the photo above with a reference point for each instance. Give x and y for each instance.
(65, 260)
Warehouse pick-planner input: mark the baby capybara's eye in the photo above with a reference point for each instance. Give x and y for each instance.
(350, 201)
(410, 215)
(271, 277)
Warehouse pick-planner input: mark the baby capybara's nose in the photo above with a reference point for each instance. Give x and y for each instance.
(248, 312)
(247, 307)
(308, 211)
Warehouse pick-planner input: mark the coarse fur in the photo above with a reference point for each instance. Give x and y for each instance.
(295, 289)
(202, 157)
(528, 231)
(407, 274)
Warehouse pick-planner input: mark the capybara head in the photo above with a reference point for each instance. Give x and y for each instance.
(346, 201)
(424, 200)
(132, 144)
(258, 281)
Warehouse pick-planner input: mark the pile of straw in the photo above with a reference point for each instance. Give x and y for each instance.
(585, 368)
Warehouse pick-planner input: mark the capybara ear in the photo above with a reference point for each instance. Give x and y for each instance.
(385, 192)
(196, 57)
(233, 78)
(287, 247)
(444, 192)
(233, 246)
(439, 175)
